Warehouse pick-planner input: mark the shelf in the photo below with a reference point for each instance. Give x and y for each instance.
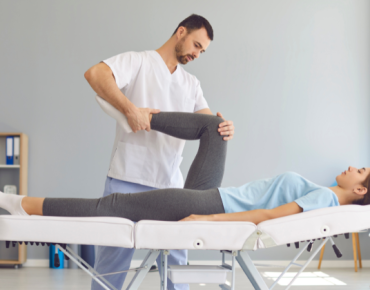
(14, 172)
(9, 166)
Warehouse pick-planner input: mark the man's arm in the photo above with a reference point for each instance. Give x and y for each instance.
(255, 216)
(204, 111)
(225, 128)
(102, 81)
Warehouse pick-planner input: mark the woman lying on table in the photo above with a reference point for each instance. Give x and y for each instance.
(202, 199)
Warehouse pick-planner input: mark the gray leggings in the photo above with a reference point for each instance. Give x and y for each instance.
(199, 196)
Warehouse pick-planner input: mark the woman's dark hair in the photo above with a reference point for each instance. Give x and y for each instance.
(194, 22)
(366, 199)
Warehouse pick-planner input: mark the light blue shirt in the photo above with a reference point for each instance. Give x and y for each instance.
(277, 191)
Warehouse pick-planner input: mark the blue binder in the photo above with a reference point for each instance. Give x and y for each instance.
(9, 150)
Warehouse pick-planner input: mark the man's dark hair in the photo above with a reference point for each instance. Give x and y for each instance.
(194, 22)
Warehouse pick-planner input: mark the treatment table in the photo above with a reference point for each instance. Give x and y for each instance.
(231, 238)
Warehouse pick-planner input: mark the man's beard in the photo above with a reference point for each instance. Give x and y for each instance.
(181, 58)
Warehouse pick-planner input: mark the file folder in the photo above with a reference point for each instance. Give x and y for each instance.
(16, 150)
(9, 150)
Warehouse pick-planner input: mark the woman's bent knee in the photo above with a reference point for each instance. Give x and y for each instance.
(213, 126)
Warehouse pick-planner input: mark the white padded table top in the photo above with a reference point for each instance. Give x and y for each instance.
(119, 232)
(192, 235)
(315, 224)
(103, 231)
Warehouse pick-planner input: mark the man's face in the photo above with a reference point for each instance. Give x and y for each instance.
(191, 45)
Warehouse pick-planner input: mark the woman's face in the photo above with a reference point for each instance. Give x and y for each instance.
(353, 177)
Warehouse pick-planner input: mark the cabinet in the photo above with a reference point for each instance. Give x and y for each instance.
(14, 175)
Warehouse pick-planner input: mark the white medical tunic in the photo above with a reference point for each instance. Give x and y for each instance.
(152, 158)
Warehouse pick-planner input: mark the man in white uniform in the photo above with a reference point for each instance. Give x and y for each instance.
(139, 84)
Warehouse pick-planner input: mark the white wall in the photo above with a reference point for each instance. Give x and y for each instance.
(292, 75)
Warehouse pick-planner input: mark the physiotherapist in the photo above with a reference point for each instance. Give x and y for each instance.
(139, 84)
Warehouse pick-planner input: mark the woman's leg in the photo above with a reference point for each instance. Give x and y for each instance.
(33, 205)
(208, 166)
(206, 172)
(171, 204)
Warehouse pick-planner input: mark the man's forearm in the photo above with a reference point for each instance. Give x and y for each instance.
(101, 80)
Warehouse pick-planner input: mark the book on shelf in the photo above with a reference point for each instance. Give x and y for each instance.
(16, 150)
(12, 149)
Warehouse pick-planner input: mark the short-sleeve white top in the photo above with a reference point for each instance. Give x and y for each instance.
(152, 158)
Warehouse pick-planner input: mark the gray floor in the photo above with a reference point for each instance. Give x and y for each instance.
(43, 278)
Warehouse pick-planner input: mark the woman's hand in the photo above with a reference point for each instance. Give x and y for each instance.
(196, 217)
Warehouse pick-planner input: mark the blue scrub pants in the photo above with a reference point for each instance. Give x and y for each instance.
(114, 259)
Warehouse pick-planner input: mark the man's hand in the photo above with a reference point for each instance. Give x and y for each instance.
(226, 128)
(196, 217)
(139, 118)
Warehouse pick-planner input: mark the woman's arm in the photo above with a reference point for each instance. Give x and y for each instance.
(255, 216)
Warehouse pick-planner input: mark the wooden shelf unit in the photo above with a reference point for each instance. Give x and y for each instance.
(22, 187)
(9, 166)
